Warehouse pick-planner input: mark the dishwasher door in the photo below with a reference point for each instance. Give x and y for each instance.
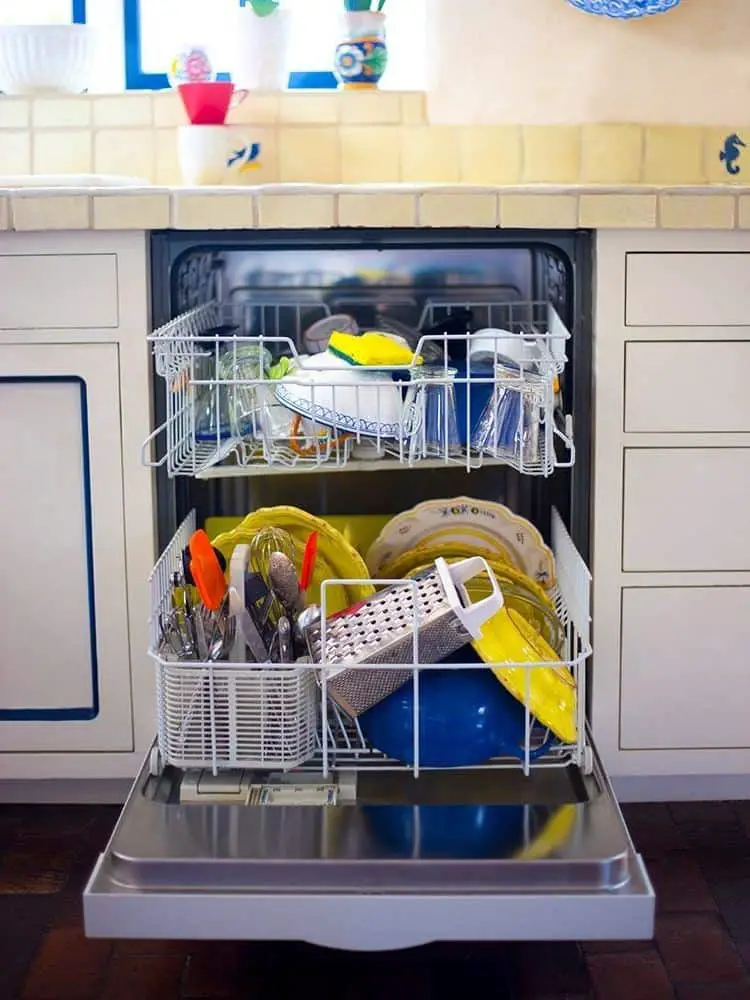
(387, 862)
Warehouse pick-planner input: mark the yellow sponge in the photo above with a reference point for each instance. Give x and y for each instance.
(371, 349)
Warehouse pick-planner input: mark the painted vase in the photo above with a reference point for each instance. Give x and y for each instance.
(362, 56)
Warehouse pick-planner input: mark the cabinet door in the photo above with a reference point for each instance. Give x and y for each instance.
(65, 663)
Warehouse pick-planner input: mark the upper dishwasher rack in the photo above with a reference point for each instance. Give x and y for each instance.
(230, 412)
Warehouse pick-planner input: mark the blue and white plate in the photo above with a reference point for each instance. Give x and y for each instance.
(624, 9)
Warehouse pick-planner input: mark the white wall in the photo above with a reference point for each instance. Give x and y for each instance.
(544, 62)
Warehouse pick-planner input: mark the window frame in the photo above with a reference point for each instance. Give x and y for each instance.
(79, 11)
(137, 79)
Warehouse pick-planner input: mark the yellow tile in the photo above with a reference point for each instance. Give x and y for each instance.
(266, 169)
(490, 154)
(136, 211)
(123, 110)
(62, 152)
(168, 110)
(370, 154)
(167, 169)
(551, 154)
(256, 109)
(215, 210)
(538, 211)
(612, 154)
(369, 107)
(744, 211)
(15, 152)
(430, 155)
(296, 211)
(309, 109)
(61, 112)
(309, 155)
(125, 151)
(673, 155)
(378, 210)
(4, 213)
(42, 212)
(413, 109)
(697, 211)
(459, 210)
(617, 211)
(15, 112)
(715, 169)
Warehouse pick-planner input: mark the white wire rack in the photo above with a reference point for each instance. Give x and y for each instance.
(239, 395)
(223, 716)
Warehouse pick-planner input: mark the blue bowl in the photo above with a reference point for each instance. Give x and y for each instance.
(625, 9)
(465, 717)
(465, 831)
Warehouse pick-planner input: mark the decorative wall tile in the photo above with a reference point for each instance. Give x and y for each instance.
(370, 154)
(551, 154)
(15, 112)
(64, 151)
(15, 152)
(126, 152)
(61, 112)
(612, 154)
(673, 155)
(430, 155)
(309, 155)
(123, 110)
(490, 154)
(726, 155)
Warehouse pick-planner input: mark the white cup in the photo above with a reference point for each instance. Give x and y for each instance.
(209, 153)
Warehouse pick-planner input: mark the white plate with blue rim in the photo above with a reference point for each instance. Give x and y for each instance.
(327, 390)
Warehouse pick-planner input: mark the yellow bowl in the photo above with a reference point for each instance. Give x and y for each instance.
(550, 692)
(337, 560)
(424, 555)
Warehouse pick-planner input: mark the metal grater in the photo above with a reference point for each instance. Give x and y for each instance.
(380, 630)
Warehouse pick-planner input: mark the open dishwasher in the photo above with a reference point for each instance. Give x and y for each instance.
(420, 403)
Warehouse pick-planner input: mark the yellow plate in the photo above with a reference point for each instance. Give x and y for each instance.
(337, 560)
(359, 530)
(508, 638)
(425, 555)
(554, 835)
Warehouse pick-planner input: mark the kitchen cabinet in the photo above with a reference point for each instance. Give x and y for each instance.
(76, 517)
(65, 669)
(671, 563)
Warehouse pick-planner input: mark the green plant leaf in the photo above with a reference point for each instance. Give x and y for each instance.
(264, 7)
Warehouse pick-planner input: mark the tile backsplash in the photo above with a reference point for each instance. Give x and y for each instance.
(361, 138)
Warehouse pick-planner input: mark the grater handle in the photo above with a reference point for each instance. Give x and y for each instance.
(452, 577)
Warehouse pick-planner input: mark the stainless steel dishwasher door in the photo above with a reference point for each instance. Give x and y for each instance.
(476, 855)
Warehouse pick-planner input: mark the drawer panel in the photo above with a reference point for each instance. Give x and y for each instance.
(685, 676)
(58, 291)
(686, 509)
(687, 387)
(688, 289)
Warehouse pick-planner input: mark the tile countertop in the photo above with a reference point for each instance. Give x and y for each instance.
(290, 206)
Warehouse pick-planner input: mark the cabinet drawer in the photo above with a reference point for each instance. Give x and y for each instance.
(685, 677)
(686, 509)
(687, 387)
(688, 289)
(58, 291)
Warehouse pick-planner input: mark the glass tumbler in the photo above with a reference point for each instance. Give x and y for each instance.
(429, 424)
(511, 426)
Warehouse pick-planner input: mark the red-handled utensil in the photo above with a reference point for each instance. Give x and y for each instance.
(309, 558)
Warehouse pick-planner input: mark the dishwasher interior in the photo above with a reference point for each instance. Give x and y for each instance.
(270, 779)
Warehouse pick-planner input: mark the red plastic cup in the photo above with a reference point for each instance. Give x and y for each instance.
(207, 103)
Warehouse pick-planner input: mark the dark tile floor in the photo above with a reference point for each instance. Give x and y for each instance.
(698, 856)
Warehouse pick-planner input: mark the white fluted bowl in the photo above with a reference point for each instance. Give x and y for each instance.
(44, 58)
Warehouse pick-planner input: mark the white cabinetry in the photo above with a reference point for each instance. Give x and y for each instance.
(671, 565)
(75, 507)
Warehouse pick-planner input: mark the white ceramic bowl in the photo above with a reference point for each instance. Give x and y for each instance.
(44, 58)
(497, 346)
(326, 389)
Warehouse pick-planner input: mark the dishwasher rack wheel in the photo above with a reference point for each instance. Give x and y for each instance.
(155, 763)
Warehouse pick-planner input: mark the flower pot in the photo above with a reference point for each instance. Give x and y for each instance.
(260, 50)
(362, 55)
